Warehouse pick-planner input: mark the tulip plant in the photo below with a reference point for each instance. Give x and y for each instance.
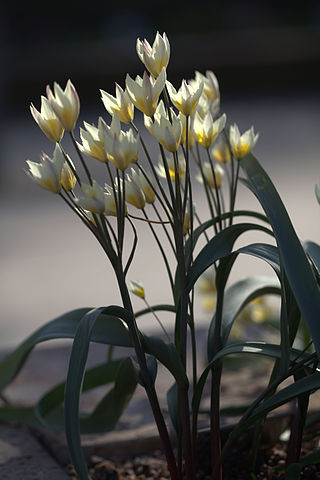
(189, 132)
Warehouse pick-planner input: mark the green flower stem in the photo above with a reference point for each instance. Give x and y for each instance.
(168, 177)
(219, 211)
(182, 345)
(109, 251)
(158, 197)
(134, 246)
(234, 192)
(81, 158)
(163, 193)
(198, 161)
(187, 176)
(167, 102)
(112, 186)
(158, 320)
(216, 372)
(162, 252)
(149, 386)
(164, 228)
(177, 182)
(71, 166)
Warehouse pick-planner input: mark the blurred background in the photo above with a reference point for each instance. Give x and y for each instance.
(266, 56)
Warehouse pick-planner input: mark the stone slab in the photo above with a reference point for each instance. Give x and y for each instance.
(22, 457)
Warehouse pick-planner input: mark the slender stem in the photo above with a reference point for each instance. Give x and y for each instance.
(219, 211)
(155, 191)
(234, 193)
(205, 184)
(168, 177)
(164, 228)
(158, 320)
(149, 386)
(215, 393)
(81, 158)
(163, 193)
(134, 246)
(70, 164)
(162, 253)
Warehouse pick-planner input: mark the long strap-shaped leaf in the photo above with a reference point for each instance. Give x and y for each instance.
(294, 259)
(75, 377)
(108, 329)
(219, 246)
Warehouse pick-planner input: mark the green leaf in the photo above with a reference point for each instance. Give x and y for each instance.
(168, 355)
(205, 225)
(236, 298)
(52, 401)
(173, 406)
(313, 250)
(74, 382)
(293, 257)
(156, 308)
(25, 415)
(253, 348)
(108, 411)
(108, 329)
(310, 459)
(305, 385)
(293, 472)
(152, 366)
(218, 247)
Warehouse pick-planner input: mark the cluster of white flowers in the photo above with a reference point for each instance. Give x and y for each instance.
(192, 117)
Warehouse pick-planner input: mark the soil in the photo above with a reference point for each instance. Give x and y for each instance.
(271, 463)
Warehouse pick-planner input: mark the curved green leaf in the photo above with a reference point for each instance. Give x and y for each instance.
(219, 246)
(300, 387)
(108, 329)
(236, 298)
(168, 355)
(155, 308)
(52, 401)
(205, 225)
(253, 348)
(74, 382)
(293, 257)
(313, 250)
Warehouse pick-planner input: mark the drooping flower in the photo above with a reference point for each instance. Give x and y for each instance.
(47, 173)
(208, 175)
(48, 120)
(92, 198)
(186, 98)
(155, 58)
(206, 130)
(120, 104)
(137, 288)
(65, 103)
(145, 185)
(242, 144)
(144, 92)
(134, 194)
